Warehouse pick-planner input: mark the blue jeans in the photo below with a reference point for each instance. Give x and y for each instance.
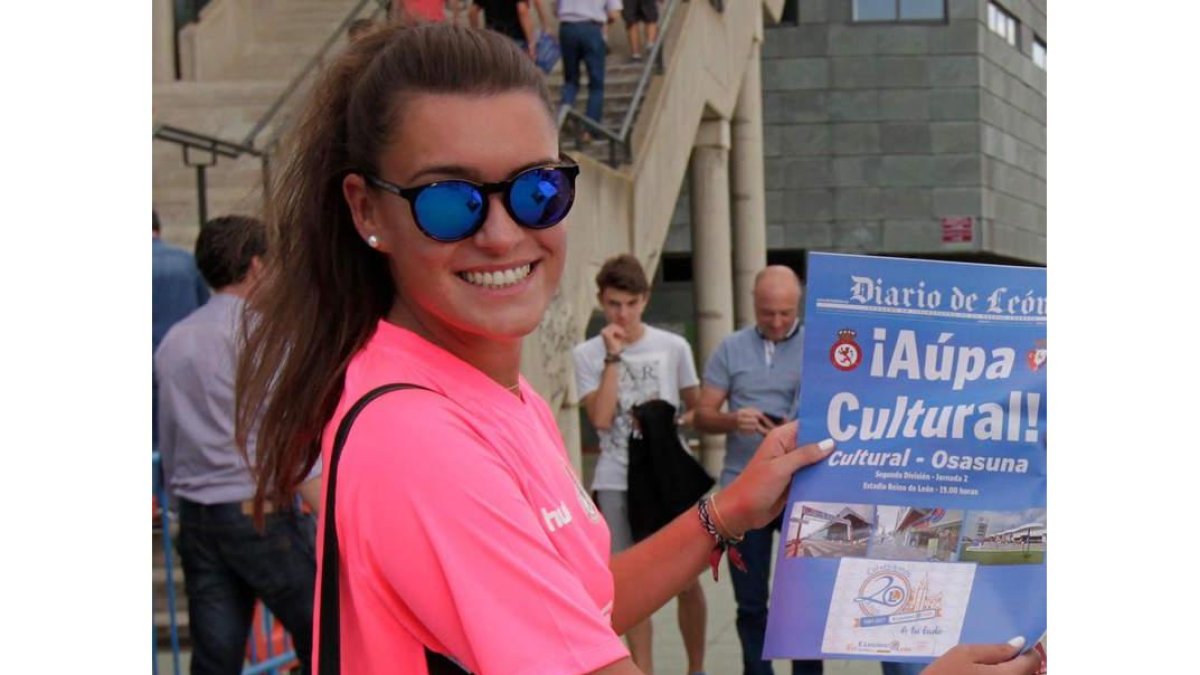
(583, 40)
(892, 668)
(750, 589)
(227, 564)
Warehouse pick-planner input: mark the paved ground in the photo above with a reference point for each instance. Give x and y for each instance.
(723, 653)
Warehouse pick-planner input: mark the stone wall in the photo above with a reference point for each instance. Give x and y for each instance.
(875, 132)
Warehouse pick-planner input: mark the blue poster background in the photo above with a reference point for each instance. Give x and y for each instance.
(882, 334)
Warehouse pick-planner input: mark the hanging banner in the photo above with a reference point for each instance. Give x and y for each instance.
(926, 527)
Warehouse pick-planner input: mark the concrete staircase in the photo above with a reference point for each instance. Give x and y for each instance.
(236, 61)
(225, 110)
(620, 82)
(258, 39)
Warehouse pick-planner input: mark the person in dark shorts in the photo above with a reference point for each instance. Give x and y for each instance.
(637, 13)
(511, 18)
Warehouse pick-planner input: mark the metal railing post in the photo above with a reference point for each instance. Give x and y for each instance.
(168, 567)
(266, 185)
(202, 193)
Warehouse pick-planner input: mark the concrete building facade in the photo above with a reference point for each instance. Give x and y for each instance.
(902, 127)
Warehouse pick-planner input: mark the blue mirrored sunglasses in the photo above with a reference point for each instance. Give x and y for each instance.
(453, 210)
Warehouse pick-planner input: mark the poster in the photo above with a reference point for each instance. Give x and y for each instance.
(926, 527)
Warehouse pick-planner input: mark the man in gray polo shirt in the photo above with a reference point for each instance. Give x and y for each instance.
(227, 563)
(757, 370)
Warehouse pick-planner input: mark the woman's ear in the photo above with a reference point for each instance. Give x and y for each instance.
(363, 210)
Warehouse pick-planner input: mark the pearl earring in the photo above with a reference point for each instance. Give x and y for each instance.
(373, 241)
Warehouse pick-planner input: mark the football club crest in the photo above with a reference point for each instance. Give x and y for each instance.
(845, 353)
(1036, 357)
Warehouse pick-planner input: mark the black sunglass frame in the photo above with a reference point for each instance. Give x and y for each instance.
(566, 165)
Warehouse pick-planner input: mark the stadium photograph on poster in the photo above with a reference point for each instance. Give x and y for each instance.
(823, 530)
(915, 533)
(1004, 537)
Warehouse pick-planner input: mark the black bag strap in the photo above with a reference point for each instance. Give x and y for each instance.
(329, 628)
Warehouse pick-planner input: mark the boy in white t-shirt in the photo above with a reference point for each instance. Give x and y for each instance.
(626, 364)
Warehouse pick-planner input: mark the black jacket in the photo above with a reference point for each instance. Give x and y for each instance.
(664, 479)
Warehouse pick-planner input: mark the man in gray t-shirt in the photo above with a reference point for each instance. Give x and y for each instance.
(626, 364)
(757, 371)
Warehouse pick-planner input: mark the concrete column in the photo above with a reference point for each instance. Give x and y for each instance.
(748, 186)
(712, 262)
(163, 40)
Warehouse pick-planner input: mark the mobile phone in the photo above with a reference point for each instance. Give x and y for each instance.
(775, 419)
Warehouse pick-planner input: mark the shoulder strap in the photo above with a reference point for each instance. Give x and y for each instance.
(329, 629)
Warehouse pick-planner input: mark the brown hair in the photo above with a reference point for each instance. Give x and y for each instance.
(359, 28)
(623, 273)
(326, 290)
(226, 247)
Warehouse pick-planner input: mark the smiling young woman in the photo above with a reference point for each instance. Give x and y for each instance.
(417, 237)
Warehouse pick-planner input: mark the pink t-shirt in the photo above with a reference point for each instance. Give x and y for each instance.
(462, 526)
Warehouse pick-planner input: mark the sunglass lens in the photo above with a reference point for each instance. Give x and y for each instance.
(449, 211)
(542, 197)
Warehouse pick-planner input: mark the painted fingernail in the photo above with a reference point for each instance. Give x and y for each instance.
(1017, 642)
(825, 445)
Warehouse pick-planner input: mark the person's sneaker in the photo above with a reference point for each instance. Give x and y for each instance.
(635, 58)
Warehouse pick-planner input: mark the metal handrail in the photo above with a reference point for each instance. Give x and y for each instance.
(584, 123)
(621, 138)
(652, 63)
(199, 141)
(189, 140)
(316, 60)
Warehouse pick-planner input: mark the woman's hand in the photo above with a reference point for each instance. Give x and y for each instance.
(986, 660)
(759, 494)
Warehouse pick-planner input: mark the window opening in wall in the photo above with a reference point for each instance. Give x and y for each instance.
(675, 267)
(899, 10)
(1039, 53)
(791, 13)
(1002, 23)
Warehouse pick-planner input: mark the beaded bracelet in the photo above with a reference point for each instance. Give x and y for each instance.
(722, 544)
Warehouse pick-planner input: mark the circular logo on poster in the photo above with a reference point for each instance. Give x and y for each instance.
(845, 354)
(883, 593)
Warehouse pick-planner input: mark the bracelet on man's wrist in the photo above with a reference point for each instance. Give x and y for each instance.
(612, 357)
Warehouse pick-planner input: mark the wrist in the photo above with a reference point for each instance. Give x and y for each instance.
(612, 356)
(711, 523)
(722, 517)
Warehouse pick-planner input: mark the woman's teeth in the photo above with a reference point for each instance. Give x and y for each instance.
(497, 279)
